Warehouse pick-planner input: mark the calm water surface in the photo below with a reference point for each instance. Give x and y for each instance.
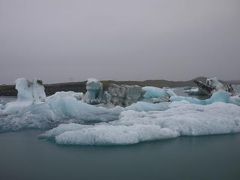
(24, 156)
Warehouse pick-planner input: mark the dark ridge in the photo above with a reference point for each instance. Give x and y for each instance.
(70, 86)
(8, 90)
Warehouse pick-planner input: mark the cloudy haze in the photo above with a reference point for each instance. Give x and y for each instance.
(72, 40)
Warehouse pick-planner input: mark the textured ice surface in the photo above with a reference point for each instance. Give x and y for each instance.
(94, 92)
(145, 106)
(154, 92)
(134, 127)
(58, 108)
(219, 96)
(30, 91)
(236, 88)
(155, 95)
(124, 95)
(215, 83)
(107, 134)
(64, 107)
(69, 107)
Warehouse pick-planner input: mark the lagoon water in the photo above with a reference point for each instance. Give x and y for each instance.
(25, 157)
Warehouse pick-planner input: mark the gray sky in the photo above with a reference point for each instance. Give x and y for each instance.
(71, 40)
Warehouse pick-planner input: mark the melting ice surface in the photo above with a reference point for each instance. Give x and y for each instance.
(142, 121)
(134, 127)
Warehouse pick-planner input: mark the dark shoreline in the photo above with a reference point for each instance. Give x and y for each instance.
(9, 90)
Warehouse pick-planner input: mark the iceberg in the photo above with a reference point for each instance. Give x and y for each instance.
(219, 96)
(216, 84)
(209, 87)
(58, 108)
(156, 95)
(72, 120)
(94, 91)
(67, 107)
(181, 119)
(62, 107)
(30, 91)
(124, 95)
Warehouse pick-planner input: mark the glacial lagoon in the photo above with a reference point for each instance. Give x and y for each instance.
(25, 157)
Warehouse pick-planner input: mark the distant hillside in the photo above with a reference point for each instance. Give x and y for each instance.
(234, 82)
(9, 90)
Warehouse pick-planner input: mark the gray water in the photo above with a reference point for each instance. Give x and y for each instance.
(25, 157)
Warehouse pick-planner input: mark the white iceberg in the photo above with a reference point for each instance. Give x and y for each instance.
(67, 107)
(156, 95)
(182, 119)
(30, 91)
(62, 107)
(219, 96)
(141, 121)
(58, 108)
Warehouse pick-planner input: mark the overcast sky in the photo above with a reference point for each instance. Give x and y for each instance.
(72, 40)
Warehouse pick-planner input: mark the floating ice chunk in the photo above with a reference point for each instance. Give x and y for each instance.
(215, 83)
(212, 85)
(63, 128)
(181, 119)
(108, 134)
(219, 96)
(189, 119)
(38, 116)
(156, 95)
(24, 90)
(58, 108)
(154, 92)
(30, 91)
(70, 108)
(124, 95)
(94, 92)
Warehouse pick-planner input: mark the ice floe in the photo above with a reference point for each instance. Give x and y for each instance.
(159, 114)
(181, 119)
